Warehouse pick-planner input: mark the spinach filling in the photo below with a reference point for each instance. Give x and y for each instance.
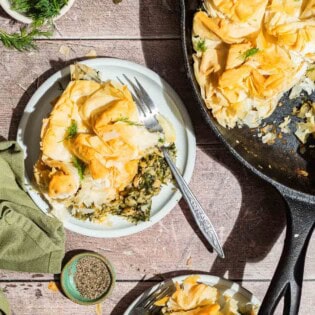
(135, 201)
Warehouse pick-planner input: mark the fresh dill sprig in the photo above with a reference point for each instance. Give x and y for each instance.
(72, 130)
(127, 121)
(79, 165)
(23, 40)
(201, 45)
(250, 52)
(38, 10)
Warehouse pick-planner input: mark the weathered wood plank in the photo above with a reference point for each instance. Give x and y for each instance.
(247, 213)
(104, 19)
(22, 73)
(36, 299)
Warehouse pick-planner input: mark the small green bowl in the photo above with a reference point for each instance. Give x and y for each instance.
(68, 284)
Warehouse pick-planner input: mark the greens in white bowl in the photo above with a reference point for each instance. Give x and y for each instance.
(28, 11)
(38, 15)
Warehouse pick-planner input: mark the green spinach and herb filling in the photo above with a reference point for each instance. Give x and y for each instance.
(135, 201)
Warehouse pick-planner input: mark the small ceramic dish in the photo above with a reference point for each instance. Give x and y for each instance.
(6, 5)
(68, 284)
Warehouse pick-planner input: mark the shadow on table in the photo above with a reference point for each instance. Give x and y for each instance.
(261, 216)
(4, 14)
(260, 221)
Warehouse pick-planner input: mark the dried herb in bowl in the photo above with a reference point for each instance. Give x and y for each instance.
(92, 278)
(23, 40)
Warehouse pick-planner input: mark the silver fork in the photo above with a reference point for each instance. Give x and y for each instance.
(146, 304)
(147, 112)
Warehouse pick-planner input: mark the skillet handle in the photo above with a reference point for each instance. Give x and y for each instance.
(288, 278)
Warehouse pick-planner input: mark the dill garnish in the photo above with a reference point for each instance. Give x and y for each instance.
(201, 45)
(127, 121)
(23, 40)
(250, 52)
(79, 165)
(72, 130)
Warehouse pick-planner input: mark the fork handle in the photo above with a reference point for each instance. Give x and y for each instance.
(198, 213)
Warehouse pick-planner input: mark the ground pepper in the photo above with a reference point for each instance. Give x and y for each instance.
(92, 277)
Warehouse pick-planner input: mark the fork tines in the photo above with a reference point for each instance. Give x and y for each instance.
(146, 107)
(148, 302)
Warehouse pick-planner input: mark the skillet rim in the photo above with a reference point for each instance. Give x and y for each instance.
(286, 191)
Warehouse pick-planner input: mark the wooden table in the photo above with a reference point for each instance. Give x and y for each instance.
(248, 213)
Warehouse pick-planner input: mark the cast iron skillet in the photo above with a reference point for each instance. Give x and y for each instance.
(277, 164)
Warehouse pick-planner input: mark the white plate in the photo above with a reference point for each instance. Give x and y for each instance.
(226, 287)
(170, 106)
(6, 5)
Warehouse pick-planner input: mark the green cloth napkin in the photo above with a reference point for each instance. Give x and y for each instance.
(29, 239)
(4, 305)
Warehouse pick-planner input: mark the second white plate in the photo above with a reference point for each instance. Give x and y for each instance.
(225, 287)
(170, 106)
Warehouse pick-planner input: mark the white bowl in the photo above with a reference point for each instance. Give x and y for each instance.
(6, 5)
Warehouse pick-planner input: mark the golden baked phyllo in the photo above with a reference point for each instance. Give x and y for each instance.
(249, 53)
(195, 298)
(97, 158)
